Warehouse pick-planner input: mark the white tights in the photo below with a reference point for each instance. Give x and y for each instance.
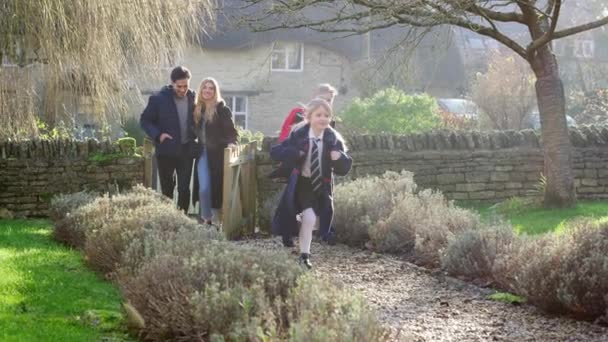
(308, 224)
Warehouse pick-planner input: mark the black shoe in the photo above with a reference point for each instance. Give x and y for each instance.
(288, 241)
(305, 260)
(330, 239)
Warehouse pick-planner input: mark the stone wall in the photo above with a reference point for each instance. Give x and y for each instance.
(32, 172)
(471, 166)
(475, 166)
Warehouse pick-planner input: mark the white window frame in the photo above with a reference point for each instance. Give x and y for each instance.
(232, 106)
(284, 51)
(584, 48)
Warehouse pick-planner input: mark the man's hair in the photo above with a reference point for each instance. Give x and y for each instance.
(180, 73)
(325, 88)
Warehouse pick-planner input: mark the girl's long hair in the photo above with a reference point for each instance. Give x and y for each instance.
(313, 105)
(200, 109)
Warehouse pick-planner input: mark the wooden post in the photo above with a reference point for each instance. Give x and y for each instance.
(253, 187)
(226, 224)
(148, 165)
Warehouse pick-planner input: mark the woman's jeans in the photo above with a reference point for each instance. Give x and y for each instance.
(204, 184)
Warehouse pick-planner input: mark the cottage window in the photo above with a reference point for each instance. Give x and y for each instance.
(584, 48)
(287, 57)
(239, 106)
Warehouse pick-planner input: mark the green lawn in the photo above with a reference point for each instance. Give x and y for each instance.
(537, 220)
(48, 294)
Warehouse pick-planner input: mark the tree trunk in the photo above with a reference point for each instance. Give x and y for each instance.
(559, 190)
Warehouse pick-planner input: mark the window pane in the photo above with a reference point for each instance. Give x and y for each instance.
(295, 56)
(239, 104)
(240, 120)
(278, 59)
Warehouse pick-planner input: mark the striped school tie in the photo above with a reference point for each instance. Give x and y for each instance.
(315, 167)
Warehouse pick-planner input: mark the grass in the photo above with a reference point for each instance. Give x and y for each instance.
(48, 294)
(507, 298)
(533, 219)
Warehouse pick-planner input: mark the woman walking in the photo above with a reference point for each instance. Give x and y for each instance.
(215, 131)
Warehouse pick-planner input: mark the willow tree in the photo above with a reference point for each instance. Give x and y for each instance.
(86, 48)
(540, 23)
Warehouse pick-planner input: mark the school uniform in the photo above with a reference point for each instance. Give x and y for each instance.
(298, 192)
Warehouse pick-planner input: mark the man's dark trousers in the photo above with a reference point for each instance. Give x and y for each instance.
(180, 164)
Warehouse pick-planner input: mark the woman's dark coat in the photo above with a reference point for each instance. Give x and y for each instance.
(288, 152)
(219, 134)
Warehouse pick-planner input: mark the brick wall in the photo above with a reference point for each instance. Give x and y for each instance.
(32, 172)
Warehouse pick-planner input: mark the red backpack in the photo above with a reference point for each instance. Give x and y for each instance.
(295, 115)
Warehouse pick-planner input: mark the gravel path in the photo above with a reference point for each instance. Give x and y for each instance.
(420, 306)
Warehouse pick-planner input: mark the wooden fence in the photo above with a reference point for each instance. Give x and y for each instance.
(238, 215)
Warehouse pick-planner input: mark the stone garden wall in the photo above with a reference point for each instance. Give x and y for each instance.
(489, 166)
(32, 172)
(474, 166)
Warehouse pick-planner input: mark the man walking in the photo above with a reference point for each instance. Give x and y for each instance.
(168, 121)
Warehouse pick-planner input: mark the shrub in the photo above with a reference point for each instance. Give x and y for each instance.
(186, 287)
(567, 272)
(133, 130)
(391, 111)
(321, 311)
(590, 107)
(210, 289)
(105, 246)
(63, 204)
(364, 201)
(483, 254)
(157, 242)
(73, 229)
(426, 222)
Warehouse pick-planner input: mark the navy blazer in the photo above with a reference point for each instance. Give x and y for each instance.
(160, 116)
(288, 152)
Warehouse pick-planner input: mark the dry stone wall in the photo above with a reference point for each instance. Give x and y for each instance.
(475, 166)
(32, 172)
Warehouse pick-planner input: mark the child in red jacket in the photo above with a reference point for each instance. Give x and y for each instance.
(324, 91)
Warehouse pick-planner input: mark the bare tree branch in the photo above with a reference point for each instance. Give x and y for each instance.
(547, 36)
(581, 28)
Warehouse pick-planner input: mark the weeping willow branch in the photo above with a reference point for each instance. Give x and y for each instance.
(89, 48)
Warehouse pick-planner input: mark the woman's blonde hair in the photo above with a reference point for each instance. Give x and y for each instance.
(200, 109)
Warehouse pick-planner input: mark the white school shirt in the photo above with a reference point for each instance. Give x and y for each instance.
(306, 172)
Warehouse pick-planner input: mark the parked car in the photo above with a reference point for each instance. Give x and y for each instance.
(532, 120)
(459, 107)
